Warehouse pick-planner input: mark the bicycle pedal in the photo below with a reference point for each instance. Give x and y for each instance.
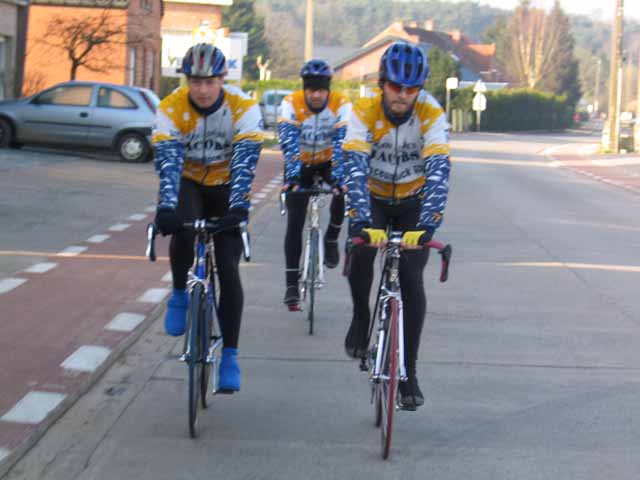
(294, 308)
(406, 408)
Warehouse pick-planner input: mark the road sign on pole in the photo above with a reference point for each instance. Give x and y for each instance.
(479, 106)
(451, 84)
(480, 87)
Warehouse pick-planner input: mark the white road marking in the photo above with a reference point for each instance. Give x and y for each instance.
(4, 453)
(137, 217)
(119, 227)
(33, 408)
(86, 359)
(153, 295)
(41, 267)
(125, 322)
(98, 238)
(151, 209)
(577, 266)
(8, 284)
(254, 201)
(72, 251)
(260, 195)
(167, 277)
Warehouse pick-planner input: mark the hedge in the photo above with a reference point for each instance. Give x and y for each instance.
(520, 110)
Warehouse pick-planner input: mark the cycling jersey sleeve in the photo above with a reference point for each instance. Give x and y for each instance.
(337, 165)
(289, 138)
(437, 168)
(168, 159)
(247, 143)
(357, 147)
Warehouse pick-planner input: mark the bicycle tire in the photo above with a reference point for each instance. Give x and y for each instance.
(311, 278)
(390, 387)
(194, 363)
(205, 377)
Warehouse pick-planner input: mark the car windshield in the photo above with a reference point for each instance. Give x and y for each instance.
(274, 98)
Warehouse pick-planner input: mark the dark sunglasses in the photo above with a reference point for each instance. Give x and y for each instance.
(397, 88)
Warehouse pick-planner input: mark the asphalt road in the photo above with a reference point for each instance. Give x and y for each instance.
(529, 360)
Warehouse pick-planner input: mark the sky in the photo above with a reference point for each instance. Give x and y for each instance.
(603, 8)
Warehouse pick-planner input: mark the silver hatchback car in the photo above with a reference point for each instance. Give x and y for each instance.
(85, 114)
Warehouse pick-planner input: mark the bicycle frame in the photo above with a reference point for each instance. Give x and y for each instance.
(389, 288)
(313, 214)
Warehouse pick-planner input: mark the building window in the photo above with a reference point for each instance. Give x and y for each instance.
(132, 67)
(146, 5)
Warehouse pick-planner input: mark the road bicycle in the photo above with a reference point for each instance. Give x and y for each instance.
(312, 274)
(384, 360)
(202, 347)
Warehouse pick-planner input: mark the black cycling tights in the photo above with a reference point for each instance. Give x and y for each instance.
(198, 201)
(297, 211)
(403, 216)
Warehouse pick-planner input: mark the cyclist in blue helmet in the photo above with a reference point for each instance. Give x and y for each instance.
(312, 126)
(207, 138)
(396, 158)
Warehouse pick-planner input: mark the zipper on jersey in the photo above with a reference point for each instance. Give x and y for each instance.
(204, 151)
(395, 172)
(315, 130)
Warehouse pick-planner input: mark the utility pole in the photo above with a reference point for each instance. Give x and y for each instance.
(615, 78)
(636, 130)
(308, 32)
(596, 100)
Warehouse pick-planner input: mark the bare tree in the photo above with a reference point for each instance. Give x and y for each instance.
(533, 46)
(84, 39)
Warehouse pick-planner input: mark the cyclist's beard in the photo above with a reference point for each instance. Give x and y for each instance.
(398, 118)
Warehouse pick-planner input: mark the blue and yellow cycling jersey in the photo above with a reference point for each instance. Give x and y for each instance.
(394, 163)
(217, 149)
(313, 138)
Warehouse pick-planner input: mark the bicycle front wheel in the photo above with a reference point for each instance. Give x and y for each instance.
(194, 359)
(205, 371)
(312, 276)
(389, 385)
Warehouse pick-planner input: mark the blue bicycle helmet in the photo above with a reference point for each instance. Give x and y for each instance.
(204, 60)
(404, 64)
(316, 68)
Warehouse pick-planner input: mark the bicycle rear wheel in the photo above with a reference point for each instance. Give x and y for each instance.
(389, 386)
(194, 359)
(205, 376)
(312, 277)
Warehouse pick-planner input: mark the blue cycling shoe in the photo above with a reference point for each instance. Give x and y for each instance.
(229, 374)
(176, 317)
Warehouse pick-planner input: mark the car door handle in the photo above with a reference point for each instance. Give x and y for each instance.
(84, 114)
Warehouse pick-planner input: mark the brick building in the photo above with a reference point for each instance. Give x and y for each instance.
(477, 61)
(13, 28)
(132, 58)
(181, 20)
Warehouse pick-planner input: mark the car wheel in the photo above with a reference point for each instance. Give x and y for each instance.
(133, 147)
(6, 133)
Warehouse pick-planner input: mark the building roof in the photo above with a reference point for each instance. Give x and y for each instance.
(476, 59)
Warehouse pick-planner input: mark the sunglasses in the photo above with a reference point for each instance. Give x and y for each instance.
(396, 88)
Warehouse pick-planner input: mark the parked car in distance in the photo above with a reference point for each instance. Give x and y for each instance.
(83, 114)
(270, 105)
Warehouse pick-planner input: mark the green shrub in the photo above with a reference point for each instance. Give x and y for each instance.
(519, 110)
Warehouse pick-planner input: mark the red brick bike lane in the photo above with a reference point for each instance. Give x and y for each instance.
(61, 329)
(621, 171)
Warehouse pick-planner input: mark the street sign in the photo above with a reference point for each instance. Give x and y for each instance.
(452, 83)
(480, 87)
(479, 102)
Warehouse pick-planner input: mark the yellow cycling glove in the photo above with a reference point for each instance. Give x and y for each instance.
(412, 239)
(376, 235)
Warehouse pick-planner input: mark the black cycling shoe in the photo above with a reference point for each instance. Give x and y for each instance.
(331, 253)
(292, 296)
(355, 343)
(411, 396)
